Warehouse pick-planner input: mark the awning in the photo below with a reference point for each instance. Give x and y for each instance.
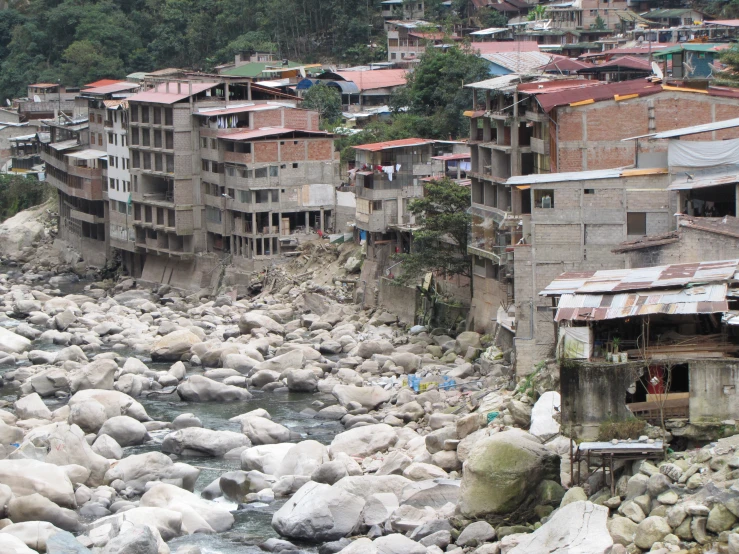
(64, 145)
(705, 299)
(523, 187)
(451, 157)
(690, 183)
(88, 154)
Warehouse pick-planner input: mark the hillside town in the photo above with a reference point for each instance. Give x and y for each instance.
(477, 294)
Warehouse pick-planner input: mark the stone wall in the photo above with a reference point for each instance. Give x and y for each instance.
(398, 300)
(713, 390)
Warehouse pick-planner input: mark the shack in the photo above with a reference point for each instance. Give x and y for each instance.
(656, 343)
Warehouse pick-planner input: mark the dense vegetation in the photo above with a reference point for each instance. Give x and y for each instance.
(79, 41)
(18, 193)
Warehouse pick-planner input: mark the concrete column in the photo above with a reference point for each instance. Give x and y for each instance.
(254, 223)
(307, 221)
(320, 220)
(736, 201)
(515, 150)
(279, 223)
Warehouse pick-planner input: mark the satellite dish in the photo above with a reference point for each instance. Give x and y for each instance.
(7, 102)
(36, 98)
(657, 71)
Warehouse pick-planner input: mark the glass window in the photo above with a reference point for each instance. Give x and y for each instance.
(157, 116)
(273, 170)
(168, 116)
(260, 173)
(144, 114)
(245, 196)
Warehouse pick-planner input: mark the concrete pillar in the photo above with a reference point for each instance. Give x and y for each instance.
(254, 222)
(515, 150)
(307, 221)
(320, 220)
(736, 201)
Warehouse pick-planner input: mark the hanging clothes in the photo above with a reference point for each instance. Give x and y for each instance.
(388, 170)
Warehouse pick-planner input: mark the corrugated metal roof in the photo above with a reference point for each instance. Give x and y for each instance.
(723, 22)
(377, 146)
(489, 31)
(159, 94)
(693, 47)
(519, 62)
(704, 182)
(497, 82)
(694, 130)
(88, 154)
(539, 178)
(268, 132)
(704, 299)
(605, 91)
(378, 78)
(64, 145)
(645, 278)
(496, 47)
(111, 88)
(449, 157)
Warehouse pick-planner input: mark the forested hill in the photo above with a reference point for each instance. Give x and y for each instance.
(79, 41)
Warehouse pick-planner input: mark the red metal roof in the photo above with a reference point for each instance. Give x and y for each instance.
(377, 146)
(496, 47)
(268, 132)
(112, 88)
(159, 94)
(629, 62)
(378, 78)
(102, 83)
(606, 91)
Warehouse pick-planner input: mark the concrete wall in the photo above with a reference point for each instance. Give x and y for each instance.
(592, 393)
(713, 391)
(694, 245)
(398, 300)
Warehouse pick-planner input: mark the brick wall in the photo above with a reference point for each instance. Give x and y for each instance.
(597, 144)
(320, 149)
(292, 150)
(694, 246)
(265, 152)
(267, 118)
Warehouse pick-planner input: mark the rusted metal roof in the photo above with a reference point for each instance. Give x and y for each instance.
(520, 62)
(649, 241)
(112, 88)
(645, 278)
(496, 47)
(607, 91)
(377, 146)
(705, 299)
(690, 183)
(268, 132)
(451, 157)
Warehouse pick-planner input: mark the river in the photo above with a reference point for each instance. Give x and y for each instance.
(253, 521)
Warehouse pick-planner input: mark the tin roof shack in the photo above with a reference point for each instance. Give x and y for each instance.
(362, 87)
(669, 330)
(692, 63)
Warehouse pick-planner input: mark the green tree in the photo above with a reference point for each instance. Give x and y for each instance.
(18, 193)
(537, 12)
(325, 100)
(489, 17)
(441, 244)
(436, 89)
(729, 76)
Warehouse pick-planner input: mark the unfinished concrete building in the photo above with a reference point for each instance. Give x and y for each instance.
(215, 173)
(78, 174)
(524, 125)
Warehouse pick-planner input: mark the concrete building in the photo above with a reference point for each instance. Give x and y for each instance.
(402, 10)
(388, 176)
(108, 117)
(672, 329)
(407, 40)
(533, 125)
(78, 173)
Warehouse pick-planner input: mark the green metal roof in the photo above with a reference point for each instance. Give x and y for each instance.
(255, 69)
(691, 47)
(666, 13)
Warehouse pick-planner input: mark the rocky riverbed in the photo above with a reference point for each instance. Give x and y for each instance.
(149, 421)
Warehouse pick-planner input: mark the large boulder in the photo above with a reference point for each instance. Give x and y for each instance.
(318, 513)
(578, 528)
(196, 441)
(66, 445)
(289, 360)
(174, 346)
(503, 472)
(31, 533)
(165, 523)
(11, 342)
(99, 374)
(543, 423)
(138, 470)
(139, 539)
(31, 407)
(369, 397)
(25, 477)
(302, 380)
(115, 403)
(198, 514)
(21, 231)
(364, 441)
(125, 430)
(261, 430)
(35, 507)
(255, 320)
(201, 389)
(265, 458)
(303, 459)
(10, 544)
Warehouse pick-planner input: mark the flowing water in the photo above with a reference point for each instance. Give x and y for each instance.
(253, 521)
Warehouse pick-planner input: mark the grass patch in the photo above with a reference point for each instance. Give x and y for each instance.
(631, 428)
